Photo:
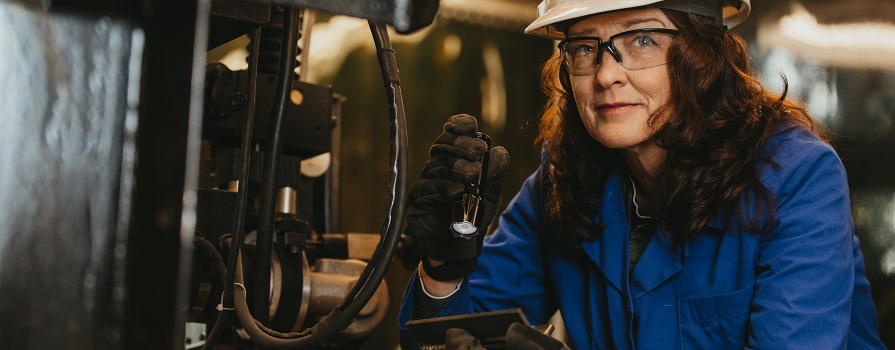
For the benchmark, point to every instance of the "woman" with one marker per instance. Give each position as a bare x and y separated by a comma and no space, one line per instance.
679,204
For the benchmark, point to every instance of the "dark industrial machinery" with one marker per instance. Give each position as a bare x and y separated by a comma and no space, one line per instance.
144,189
263,248
135,198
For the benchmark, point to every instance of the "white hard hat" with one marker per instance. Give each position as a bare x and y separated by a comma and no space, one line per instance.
551,12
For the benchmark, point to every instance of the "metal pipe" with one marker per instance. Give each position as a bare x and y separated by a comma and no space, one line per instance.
287,199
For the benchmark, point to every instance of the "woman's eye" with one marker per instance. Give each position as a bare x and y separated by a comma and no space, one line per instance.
644,40
580,50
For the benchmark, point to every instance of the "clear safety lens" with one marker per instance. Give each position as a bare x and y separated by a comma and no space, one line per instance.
635,49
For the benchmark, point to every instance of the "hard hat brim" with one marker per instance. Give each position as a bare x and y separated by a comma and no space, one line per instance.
546,24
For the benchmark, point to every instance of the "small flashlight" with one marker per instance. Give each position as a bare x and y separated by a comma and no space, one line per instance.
465,223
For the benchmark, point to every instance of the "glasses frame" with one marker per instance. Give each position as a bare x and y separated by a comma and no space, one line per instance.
607,45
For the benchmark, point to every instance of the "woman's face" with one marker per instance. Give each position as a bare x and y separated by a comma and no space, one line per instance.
615,103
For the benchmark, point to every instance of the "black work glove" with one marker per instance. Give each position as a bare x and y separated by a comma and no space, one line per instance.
518,337
522,337
456,159
460,339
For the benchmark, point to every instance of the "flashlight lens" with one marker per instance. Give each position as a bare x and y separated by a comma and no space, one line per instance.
463,229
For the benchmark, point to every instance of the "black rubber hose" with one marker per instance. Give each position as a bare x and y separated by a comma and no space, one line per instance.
374,272
272,150
243,161
212,255
391,231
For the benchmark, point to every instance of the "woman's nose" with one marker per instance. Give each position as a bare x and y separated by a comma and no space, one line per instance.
609,70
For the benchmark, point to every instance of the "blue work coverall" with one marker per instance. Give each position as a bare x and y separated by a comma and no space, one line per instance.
800,287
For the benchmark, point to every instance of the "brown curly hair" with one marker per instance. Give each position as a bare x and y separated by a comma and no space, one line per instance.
716,124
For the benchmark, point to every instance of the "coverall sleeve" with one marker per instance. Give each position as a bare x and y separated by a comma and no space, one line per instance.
806,267
512,269
510,272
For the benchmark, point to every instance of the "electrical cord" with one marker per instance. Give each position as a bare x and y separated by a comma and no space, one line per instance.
212,255
392,224
272,150
374,272
389,68
241,193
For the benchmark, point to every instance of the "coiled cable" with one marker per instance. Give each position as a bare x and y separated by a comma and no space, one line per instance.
374,272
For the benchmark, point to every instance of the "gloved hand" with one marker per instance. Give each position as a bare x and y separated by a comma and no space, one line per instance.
456,159
460,339
518,337
522,337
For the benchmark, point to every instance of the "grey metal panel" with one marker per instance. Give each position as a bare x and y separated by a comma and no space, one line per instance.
101,114
64,103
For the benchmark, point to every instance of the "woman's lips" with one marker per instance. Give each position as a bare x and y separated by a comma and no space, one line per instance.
614,108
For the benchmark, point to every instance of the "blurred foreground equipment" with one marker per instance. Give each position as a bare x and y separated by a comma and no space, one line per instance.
113,229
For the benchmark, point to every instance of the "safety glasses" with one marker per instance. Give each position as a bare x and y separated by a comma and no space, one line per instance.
633,49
